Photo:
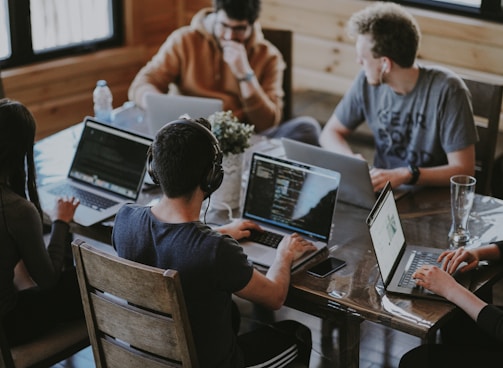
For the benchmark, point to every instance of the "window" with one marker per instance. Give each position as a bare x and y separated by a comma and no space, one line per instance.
483,9
36,30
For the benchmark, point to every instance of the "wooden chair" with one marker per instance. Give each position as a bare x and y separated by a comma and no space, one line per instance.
283,40
56,345
486,103
136,314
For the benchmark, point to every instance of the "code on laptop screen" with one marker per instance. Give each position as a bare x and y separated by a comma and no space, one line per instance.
292,195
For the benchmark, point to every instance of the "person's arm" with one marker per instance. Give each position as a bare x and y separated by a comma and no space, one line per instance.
158,73
238,229
451,259
262,102
271,289
42,264
443,284
460,162
333,137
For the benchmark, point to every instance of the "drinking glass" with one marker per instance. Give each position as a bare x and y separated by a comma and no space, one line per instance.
462,194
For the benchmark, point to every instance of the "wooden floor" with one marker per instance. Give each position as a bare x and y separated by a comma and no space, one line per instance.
380,347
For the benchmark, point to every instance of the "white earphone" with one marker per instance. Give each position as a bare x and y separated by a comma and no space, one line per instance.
384,66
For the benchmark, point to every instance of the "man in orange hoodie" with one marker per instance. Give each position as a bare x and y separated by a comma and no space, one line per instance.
223,54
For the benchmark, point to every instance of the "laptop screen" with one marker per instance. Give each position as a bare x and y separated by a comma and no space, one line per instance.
110,159
386,232
291,195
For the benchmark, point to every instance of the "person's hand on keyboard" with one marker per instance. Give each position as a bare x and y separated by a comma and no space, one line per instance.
294,246
65,209
239,228
452,259
437,280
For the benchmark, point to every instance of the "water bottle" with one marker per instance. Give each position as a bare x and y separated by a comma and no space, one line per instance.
102,98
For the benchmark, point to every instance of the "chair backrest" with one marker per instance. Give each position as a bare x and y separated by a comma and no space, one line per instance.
283,40
486,103
136,314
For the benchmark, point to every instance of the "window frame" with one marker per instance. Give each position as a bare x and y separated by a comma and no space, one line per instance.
21,41
489,9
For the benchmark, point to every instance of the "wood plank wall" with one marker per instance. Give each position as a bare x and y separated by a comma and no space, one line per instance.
324,57
59,92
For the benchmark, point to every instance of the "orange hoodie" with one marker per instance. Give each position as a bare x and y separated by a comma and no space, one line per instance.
191,59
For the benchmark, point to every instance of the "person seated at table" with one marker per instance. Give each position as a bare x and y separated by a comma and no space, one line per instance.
38,287
223,54
465,344
185,160
420,116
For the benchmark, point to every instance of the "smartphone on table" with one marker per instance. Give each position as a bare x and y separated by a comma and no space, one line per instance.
326,267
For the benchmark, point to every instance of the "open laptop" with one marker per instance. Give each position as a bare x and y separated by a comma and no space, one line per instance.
283,197
163,108
396,259
107,170
356,187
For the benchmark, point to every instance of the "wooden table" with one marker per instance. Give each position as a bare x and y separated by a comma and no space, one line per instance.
354,293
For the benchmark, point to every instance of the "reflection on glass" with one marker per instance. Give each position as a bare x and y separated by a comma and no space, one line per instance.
474,3
62,23
5,49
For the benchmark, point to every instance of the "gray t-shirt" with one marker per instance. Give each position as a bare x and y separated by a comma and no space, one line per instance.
419,128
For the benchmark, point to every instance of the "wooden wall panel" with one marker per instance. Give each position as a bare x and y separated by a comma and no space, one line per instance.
59,92
324,57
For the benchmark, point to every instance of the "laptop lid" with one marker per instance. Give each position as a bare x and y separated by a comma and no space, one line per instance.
288,196
356,186
163,108
386,233
108,161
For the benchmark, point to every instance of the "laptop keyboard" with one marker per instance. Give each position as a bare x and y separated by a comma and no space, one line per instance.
267,238
86,198
418,259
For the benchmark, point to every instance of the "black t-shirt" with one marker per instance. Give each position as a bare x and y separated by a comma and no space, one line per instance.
211,266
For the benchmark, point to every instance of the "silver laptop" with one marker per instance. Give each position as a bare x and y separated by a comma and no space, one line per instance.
286,196
107,171
356,186
396,259
163,108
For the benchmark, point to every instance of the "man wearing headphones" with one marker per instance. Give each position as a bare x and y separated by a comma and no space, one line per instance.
420,116
185,160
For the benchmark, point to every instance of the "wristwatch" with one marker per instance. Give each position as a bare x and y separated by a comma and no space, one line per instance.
247,77
414,170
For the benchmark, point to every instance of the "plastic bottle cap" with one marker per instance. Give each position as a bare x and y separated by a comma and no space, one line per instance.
101,83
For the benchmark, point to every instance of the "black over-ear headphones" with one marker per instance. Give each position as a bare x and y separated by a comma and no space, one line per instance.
215,175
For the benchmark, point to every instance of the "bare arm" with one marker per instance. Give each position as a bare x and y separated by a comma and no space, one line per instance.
451,259
442,283
459,162
261,102
333,137
271,289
